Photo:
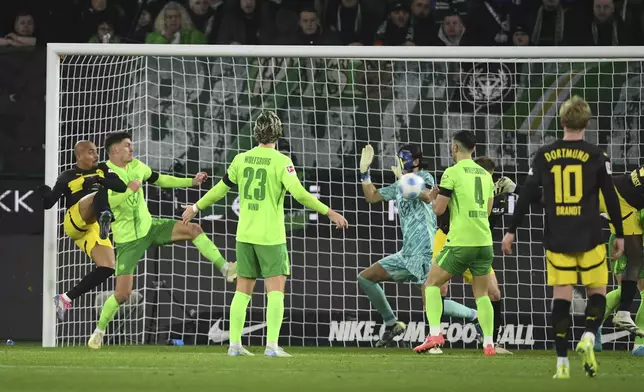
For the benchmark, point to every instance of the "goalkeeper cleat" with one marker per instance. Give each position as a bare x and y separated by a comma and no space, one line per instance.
598,340
435,351
638,350
563,372
501,350
430,342
489,350
96,340
276,352
104,222
586,349
229,271
390,333
623,320
62,306
239,351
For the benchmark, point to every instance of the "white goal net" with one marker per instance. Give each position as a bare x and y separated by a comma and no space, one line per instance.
191,109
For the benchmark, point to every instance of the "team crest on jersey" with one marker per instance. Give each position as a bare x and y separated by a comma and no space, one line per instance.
290,169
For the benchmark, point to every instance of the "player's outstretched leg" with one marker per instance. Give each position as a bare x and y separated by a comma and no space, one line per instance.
495,297
102,212
560,319
612,300
103,256
595,309
630,276
638,348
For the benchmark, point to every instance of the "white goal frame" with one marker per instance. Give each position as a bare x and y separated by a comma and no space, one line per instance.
55,51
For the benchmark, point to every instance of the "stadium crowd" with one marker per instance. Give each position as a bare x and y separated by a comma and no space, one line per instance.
325,22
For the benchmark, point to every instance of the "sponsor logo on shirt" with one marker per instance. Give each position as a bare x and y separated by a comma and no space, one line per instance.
290,169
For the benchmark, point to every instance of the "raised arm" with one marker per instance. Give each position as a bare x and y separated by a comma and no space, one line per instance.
167,181
51,196
610,196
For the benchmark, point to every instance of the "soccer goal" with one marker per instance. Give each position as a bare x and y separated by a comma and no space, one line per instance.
191,108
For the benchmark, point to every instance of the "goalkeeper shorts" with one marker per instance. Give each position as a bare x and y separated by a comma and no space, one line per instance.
630,215
407,268
619,266
85,236
564,268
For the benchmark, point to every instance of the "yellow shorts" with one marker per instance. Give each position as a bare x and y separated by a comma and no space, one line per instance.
439,243
564,268
630,215
85,236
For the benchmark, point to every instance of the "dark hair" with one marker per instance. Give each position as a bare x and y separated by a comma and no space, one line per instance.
486,163
307,8
115,138
466,139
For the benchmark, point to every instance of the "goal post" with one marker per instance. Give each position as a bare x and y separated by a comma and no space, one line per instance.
191,107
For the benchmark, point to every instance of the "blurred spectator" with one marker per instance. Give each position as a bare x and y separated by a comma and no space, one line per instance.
173,26
248,22
442,8
310,32
204,16
605,29
452,30
143,27
548,27
488,23
104,34
632,13
98,12
520,37
23,32
350,20
425,27
397,29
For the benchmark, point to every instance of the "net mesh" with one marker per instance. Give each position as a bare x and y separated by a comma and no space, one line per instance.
189,114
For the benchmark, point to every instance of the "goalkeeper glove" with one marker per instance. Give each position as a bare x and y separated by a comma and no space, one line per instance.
365,162
397,168
504,185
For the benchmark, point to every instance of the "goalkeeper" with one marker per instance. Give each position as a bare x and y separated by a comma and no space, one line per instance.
418,224
502,188
135,230
88,216
262,175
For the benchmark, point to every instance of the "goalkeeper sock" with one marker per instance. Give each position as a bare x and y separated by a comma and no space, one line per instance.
560,324
274,316
209,250
238,316
433,309
486,317
639,318
454,309
110,307
498,319
612,300
376,296
90,281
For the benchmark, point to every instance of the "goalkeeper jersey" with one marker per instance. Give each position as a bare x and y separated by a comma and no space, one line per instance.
263,176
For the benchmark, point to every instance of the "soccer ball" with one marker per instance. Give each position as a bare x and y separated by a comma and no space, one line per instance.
411,185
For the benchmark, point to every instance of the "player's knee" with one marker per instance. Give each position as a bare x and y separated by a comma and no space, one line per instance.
494,293
444,290
195,230
122,295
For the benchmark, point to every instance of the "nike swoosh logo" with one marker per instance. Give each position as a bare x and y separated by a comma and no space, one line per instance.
611,337
217,335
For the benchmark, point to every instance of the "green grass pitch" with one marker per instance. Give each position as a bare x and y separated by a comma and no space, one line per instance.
163,368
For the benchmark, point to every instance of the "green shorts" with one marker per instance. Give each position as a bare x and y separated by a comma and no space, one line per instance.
457,259
618,266
406,268
262,261
128,254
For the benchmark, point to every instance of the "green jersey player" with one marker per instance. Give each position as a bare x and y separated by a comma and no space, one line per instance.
135,230
263,175
418,225
468,189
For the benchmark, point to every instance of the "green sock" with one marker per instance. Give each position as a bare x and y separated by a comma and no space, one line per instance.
486,315
433,309
612,301
209,250
639,318
110,307
238,315
274,315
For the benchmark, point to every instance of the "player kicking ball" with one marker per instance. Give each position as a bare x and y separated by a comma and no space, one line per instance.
135,230
572,172
418,224
88,217
468,190
263,175
502,188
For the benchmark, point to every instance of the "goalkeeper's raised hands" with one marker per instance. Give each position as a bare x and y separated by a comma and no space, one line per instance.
504,185
366,158
397,168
